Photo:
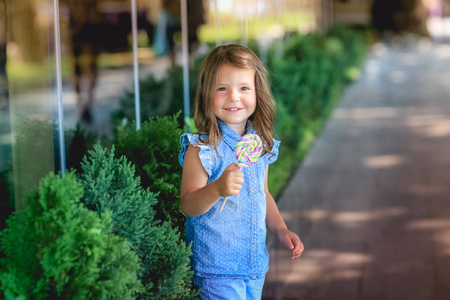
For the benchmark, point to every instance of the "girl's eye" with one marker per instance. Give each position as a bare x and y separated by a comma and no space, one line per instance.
245,88
221,89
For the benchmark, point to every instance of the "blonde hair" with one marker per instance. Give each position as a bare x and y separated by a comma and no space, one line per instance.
263,119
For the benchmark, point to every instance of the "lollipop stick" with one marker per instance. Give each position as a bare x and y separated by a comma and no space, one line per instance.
223,204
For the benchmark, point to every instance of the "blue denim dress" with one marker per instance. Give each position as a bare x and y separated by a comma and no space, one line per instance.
230,243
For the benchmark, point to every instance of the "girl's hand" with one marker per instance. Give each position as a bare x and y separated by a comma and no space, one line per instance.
230,182
291,241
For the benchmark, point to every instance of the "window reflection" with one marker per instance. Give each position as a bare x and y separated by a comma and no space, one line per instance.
98,54
26,95
97,69
86,30
6,203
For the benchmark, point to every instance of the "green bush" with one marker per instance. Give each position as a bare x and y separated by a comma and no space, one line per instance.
307,83
355,41
58,249
110,185
154,150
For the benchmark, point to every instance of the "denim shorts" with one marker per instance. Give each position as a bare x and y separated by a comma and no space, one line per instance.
229,288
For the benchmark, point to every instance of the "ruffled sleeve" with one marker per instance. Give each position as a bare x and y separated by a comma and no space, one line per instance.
205,154
272,157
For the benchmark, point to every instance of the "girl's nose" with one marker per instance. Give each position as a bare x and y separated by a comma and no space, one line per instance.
234,95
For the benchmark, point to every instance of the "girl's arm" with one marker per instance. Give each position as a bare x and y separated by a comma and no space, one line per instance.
277,226
196,196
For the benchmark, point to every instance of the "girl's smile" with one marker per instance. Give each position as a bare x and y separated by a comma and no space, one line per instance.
233,109
235,96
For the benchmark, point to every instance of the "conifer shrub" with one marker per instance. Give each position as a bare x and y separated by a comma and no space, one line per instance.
110,184
58,249
154,150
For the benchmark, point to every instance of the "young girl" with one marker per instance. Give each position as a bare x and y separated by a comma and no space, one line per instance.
230,258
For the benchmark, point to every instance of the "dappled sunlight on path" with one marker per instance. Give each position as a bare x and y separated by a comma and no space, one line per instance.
370,201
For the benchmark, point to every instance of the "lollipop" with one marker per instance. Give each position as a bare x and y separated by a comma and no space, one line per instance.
247,151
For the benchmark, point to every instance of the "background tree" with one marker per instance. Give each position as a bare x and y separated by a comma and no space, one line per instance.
24,31
400,16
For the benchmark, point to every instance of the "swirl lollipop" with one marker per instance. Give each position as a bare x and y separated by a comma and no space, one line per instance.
247,151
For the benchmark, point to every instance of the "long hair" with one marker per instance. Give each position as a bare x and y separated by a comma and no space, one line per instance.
263,119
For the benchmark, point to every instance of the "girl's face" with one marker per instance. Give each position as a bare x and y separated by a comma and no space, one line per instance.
234,96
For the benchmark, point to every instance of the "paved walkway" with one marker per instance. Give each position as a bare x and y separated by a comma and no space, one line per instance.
371,201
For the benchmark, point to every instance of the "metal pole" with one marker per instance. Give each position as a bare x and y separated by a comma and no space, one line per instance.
62,150
218,24
137,96
185,52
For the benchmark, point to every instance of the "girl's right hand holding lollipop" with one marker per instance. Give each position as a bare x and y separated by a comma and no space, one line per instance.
230,183
248,149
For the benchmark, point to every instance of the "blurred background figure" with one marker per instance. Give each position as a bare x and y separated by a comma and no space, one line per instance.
97,26
85,22
169,25
445,20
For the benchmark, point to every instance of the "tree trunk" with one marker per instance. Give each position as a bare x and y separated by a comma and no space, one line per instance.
23,30
400,16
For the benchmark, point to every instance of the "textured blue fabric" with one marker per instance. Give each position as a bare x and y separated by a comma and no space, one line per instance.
229,288
230,243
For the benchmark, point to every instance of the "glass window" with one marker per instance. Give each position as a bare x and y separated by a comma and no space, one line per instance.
98,70
30,96
6,199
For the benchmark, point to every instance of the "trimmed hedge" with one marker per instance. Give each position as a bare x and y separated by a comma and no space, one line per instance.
307,83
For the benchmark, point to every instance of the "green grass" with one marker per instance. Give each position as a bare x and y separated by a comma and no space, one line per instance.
34,75
26,75
231,29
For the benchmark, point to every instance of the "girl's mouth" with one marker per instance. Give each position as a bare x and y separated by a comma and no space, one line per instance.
232,109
